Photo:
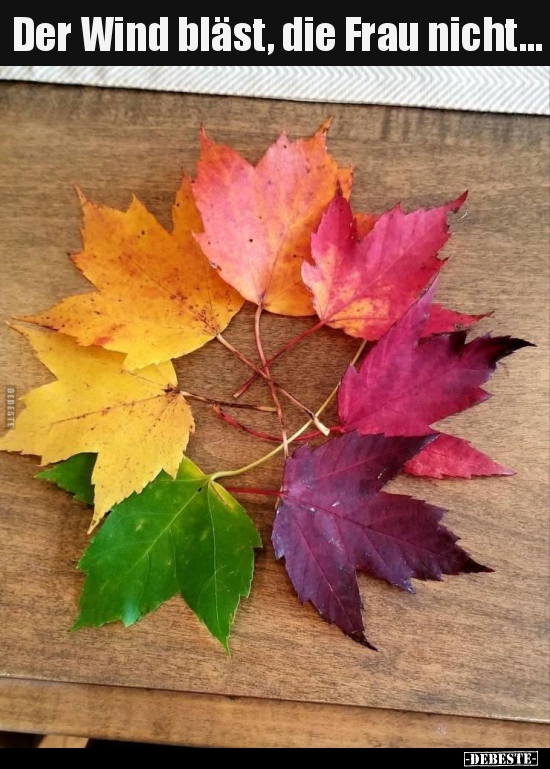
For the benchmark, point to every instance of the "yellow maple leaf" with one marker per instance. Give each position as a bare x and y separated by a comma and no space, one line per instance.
138,423
158,297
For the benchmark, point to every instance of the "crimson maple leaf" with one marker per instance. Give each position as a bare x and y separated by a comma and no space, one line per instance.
406,384
333,520
367,272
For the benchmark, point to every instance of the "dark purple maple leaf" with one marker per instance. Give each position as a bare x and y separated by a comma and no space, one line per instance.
407,383
333,520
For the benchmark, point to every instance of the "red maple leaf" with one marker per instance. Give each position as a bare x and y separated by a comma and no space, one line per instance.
334,520
367,272
406,384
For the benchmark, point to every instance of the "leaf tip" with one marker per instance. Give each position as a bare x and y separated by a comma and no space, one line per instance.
473,567
205,140
457,204
81,196
21,329
359,637
79,624
225,644
519,344
500,347
325,126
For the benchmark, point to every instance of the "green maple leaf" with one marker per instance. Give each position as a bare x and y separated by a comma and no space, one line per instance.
186,536
75,476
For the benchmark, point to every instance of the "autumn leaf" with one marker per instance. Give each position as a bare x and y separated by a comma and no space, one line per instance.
157,299
282,235
184,536
258,220
74,476
406,384
137,422
444,321
334,520
211,562
452,457
367,272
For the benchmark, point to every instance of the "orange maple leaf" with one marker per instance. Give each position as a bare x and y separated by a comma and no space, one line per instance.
258,220
157,299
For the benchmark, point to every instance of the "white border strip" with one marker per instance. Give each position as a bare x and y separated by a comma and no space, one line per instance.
524,90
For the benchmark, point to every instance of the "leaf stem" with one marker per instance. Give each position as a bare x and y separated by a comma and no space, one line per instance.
262,373
249,430
276,451
270,382
228,404
288,346
264,436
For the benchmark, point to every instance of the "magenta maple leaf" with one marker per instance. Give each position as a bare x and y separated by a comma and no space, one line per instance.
406,384
363,283
333,520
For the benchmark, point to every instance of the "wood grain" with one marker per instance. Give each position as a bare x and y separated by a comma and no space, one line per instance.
474,645
177,718
55,742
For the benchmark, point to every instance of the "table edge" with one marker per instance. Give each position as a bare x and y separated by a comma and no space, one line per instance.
209,720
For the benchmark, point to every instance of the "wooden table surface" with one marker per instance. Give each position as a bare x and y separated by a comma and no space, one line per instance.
468,649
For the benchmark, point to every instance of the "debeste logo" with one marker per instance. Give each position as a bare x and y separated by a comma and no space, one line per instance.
501,758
